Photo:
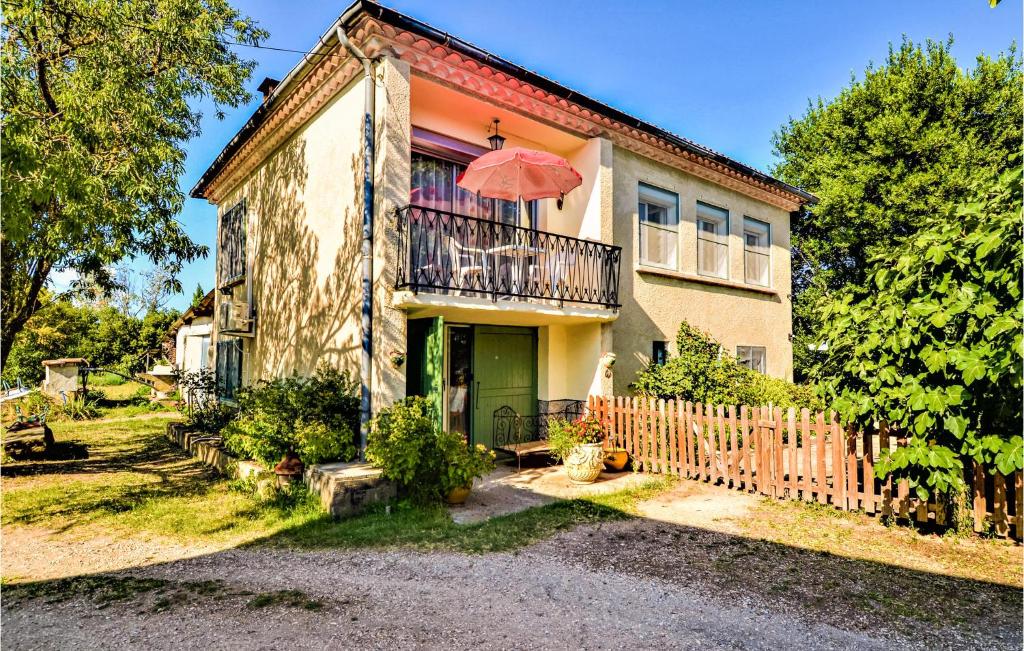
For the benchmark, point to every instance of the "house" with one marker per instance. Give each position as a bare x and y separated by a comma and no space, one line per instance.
187,343
474,302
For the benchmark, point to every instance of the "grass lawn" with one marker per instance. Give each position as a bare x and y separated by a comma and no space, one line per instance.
119,475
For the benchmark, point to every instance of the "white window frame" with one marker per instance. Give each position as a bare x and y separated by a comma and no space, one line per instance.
746,275
642,224
722,220
748,358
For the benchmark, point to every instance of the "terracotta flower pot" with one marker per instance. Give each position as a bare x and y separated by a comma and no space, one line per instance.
584,463
616,459
289,469
458,495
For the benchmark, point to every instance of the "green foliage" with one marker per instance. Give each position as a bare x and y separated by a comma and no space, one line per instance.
564,435
701,371
315,417
403,442
198,404
425,461
96,113
106,336
933,344
891,150
34,403
106,380
76,407
198,295
462,463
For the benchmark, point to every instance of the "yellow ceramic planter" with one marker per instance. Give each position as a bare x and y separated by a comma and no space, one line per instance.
616,459
458,495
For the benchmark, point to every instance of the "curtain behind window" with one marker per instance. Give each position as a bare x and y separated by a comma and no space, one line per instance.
433,186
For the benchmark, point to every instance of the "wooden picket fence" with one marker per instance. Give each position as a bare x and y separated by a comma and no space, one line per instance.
794,454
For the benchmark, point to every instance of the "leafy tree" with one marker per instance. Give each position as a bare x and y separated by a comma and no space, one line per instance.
96,107
701,371
103,335
893,149
198,295
60,330
933,343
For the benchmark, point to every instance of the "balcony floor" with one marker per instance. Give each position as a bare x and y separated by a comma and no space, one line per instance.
504,311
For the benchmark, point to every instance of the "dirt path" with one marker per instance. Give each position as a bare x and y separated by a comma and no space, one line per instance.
689,574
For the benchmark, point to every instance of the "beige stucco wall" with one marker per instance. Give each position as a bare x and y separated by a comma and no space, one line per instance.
304,219
61,378
653,305
304,237
568,361
393,177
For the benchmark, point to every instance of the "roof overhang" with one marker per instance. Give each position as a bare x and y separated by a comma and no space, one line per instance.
438,55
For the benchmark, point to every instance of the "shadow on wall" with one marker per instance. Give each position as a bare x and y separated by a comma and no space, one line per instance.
307,307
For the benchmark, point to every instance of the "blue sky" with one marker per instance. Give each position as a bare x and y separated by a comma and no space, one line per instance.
725,74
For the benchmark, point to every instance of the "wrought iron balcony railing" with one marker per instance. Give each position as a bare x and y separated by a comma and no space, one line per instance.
441,252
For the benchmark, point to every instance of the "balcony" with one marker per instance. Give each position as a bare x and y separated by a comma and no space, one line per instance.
455,255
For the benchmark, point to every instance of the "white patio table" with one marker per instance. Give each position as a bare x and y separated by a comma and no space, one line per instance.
522,252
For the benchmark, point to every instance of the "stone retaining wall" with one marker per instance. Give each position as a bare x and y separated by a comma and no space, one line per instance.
344,489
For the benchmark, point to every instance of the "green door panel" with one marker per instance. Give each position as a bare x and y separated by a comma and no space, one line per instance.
504,373
433,368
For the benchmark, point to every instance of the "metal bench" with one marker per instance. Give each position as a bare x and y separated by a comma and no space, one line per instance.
524,435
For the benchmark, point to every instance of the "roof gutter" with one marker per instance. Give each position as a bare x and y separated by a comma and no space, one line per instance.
369,120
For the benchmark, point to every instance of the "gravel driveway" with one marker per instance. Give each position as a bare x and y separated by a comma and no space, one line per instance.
684,576
414,600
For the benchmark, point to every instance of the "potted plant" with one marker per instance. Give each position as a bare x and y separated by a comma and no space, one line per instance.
616,458
289,469
462,464
579,445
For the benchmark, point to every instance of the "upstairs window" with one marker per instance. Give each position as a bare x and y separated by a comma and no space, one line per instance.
231,245
753,357
434,187
712,241
757,238
659,227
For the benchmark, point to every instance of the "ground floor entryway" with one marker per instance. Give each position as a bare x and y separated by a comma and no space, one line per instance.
468,371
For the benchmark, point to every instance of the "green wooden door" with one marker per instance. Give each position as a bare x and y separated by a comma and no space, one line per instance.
433,368
504,373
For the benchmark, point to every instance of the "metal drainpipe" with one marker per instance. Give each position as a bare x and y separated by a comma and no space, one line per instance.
366,361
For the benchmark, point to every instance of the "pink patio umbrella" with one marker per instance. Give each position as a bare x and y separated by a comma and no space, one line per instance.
518,173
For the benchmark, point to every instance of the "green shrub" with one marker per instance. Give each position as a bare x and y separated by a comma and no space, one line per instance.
462,463
315,417
403,442
197,402
76,407
701,371
426,462
564,435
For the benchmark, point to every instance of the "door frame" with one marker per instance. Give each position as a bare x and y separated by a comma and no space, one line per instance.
446,385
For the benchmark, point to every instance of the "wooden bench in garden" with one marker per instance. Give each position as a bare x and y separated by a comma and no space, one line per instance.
525,435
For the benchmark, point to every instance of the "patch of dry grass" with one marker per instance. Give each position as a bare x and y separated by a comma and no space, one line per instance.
857,536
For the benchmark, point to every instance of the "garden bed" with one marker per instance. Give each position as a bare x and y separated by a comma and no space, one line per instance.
344,489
